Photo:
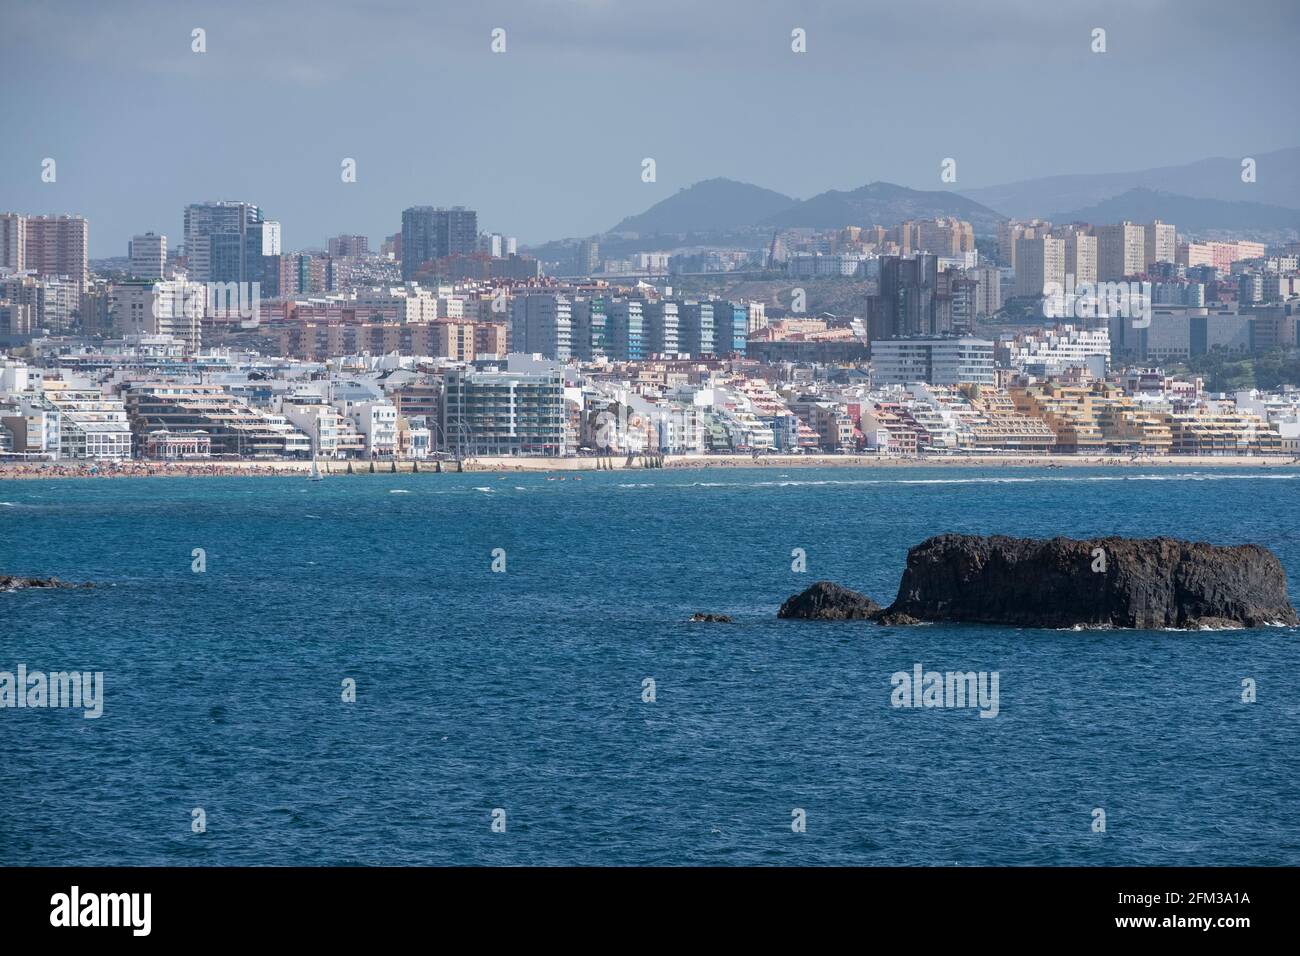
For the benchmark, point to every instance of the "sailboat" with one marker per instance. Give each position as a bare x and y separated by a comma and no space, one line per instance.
315,447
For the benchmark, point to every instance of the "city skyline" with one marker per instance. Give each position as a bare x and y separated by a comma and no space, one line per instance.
798,123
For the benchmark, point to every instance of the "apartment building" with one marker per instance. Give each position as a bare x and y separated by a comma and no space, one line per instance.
504,413
1121,250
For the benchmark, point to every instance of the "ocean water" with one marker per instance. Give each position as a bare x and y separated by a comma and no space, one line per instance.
522,690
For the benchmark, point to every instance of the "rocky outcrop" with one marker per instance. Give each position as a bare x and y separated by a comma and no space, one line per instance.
827,601
711,618
11,583
1116,582
1062,582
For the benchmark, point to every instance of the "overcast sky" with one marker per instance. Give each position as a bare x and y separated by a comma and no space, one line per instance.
546,140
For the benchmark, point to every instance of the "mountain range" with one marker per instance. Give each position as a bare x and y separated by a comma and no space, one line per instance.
1206,195
1277,183
724,205
1186,212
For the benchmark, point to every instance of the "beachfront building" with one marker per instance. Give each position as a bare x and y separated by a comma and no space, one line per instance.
1223,430
32,427
1097,417
1067,410
233,428
377,424
887,433
91,424
329,432
190,445
999,426
504,413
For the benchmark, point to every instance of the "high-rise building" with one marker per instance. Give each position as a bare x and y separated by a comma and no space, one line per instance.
148,255
662,328
1012,230
588,340
587,257
908,302
503,413
1080,253
13,241
988,295
1160,243
154,307
1039,263
53,300
56,246
542,324
225,240
1121,250
697,335
349,246
625,329
435,233
730,327
962,292
943,236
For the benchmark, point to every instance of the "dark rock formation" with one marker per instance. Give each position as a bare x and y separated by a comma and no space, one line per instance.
711,618
1105,582
11,583
1119,582
827,601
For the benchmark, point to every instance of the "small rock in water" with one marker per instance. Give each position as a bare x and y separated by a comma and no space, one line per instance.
827,601
712,618
9,582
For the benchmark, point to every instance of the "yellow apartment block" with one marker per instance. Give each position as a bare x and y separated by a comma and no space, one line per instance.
1068,411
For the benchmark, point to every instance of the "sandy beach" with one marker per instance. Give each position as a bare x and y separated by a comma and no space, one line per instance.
10,471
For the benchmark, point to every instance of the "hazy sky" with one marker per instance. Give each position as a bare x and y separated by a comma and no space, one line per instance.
546,139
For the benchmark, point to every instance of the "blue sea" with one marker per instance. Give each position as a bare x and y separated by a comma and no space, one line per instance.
522,691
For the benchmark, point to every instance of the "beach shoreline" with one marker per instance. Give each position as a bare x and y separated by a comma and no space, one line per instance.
149,469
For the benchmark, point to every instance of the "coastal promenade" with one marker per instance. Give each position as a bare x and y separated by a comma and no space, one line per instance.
203,469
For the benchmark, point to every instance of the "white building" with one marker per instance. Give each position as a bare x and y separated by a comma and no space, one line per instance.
148,255
377,423
168,307
937,361
91,425
1048,351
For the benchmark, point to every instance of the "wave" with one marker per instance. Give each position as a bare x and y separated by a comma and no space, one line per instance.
1066,479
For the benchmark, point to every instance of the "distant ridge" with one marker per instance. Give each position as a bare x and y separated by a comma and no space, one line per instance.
1205,195
713,205
1187,213
1277,183
884,204
724,205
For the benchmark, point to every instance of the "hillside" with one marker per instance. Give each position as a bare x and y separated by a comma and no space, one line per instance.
1187,213
884,204
1277,183
714,205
